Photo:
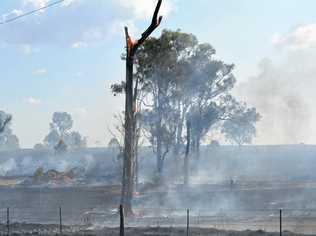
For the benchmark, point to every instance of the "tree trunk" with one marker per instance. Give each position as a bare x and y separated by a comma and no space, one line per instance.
193,145
136,169
159,154
159,151
128,180
178,140
129,139
186,158
198,143
159,167
159,159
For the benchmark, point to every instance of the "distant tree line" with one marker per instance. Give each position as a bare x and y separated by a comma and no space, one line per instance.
60,137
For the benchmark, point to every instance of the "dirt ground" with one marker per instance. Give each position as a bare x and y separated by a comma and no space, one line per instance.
212,206
49,230
193,232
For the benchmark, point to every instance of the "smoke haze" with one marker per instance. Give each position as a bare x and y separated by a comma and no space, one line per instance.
283,92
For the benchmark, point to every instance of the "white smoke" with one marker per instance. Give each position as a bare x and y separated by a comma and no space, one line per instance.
284,95
8,166
25,164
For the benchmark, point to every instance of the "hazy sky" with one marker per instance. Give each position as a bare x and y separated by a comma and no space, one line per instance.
65,58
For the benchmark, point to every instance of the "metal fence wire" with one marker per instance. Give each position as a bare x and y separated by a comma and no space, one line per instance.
57,221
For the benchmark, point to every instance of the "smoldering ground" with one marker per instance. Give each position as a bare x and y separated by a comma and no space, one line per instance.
264,177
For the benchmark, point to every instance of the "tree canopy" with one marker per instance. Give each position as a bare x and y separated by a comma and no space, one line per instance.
239,127
8,141
60,130
180,80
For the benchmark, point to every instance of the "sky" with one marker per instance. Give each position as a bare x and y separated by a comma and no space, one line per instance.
66,57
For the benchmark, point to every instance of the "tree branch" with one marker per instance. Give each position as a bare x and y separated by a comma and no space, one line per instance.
155,22
129,42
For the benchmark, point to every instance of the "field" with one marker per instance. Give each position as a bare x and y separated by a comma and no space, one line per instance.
234,190
49,230
245,206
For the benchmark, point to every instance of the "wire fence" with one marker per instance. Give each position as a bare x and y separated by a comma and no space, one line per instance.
271,220
57,221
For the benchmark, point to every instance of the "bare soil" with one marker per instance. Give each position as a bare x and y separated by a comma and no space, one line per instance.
50,230
218,203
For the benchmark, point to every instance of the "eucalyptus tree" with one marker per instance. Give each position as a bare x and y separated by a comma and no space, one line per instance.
60,130
8,141
4,120
183,81
239,127
160,72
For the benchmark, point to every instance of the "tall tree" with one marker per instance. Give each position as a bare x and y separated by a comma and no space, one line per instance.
202,119
183,81
62,122
8,141
60,130
160,125
186,158
130,108
208,81
75,141
239,127
160,72
4,120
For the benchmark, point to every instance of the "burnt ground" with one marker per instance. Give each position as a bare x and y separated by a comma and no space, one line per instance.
49,230
251,206
193,231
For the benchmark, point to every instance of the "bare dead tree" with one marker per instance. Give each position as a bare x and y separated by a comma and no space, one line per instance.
130,108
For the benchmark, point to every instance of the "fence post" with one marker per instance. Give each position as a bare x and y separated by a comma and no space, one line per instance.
280,222
60,222
8,221
188,222
121,220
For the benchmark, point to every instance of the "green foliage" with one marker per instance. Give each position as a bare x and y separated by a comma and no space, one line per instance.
202,119
183,81
240,125
61,122
39,172
60,130
180,79
8,141
118,88
4,120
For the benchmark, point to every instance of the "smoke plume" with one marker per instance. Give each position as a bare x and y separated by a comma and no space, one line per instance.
284,94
